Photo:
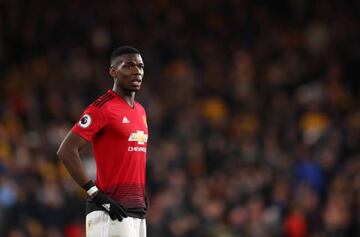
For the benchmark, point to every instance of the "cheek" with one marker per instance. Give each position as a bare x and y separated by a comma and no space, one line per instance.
123,74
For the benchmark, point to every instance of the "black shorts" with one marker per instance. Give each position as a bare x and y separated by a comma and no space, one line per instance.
132,212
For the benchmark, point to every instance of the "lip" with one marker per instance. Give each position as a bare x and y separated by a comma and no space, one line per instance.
136,79
136,83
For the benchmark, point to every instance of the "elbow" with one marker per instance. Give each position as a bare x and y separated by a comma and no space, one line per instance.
66,153
60,153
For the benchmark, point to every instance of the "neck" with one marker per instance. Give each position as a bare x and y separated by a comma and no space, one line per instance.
128,96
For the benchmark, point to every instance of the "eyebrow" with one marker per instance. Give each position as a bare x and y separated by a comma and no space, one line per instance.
133,63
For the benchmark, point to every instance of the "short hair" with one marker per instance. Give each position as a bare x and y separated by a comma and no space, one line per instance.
121,51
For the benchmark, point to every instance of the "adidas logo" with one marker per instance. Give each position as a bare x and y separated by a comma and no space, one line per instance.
125,120
106,206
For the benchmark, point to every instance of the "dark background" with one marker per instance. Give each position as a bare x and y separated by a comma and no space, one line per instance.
253,110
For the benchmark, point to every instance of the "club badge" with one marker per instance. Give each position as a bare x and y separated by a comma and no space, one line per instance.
85,121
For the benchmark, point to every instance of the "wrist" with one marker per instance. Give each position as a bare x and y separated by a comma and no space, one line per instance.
92,191
90,188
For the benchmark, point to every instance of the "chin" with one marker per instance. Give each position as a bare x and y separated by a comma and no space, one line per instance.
134,89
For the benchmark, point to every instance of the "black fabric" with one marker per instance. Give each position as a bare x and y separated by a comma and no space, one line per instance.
132,212
115,210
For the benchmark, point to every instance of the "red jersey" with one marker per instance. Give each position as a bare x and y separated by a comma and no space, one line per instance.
119,134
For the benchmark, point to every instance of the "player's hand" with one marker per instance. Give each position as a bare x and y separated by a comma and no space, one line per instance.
115,210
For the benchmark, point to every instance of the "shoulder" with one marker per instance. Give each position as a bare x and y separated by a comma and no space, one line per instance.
98,108
102,100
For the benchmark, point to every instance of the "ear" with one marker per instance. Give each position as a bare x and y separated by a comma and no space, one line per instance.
112,71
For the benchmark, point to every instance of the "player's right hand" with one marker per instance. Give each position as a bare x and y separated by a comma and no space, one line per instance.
115,210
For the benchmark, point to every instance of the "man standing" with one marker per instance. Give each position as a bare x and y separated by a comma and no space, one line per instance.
116,126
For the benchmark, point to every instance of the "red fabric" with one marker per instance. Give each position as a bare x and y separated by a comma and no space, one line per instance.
295,226
74,230
118,134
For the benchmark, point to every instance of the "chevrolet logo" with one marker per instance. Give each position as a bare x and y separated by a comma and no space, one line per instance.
140,137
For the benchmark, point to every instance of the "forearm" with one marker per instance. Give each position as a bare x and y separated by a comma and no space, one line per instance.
72,162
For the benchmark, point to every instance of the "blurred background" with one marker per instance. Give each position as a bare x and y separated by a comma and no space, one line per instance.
253,109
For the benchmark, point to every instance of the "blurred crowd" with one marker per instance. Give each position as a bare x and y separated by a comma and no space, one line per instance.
253,109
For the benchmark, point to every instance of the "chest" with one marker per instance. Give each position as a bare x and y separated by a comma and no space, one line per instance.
124,122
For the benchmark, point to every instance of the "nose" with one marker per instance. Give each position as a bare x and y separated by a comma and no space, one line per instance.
138,70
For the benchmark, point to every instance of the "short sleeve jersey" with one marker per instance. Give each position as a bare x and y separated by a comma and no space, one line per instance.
119,134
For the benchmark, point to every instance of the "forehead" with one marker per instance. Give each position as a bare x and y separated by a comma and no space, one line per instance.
133,58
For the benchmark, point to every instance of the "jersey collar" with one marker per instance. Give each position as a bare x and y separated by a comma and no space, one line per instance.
121,99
